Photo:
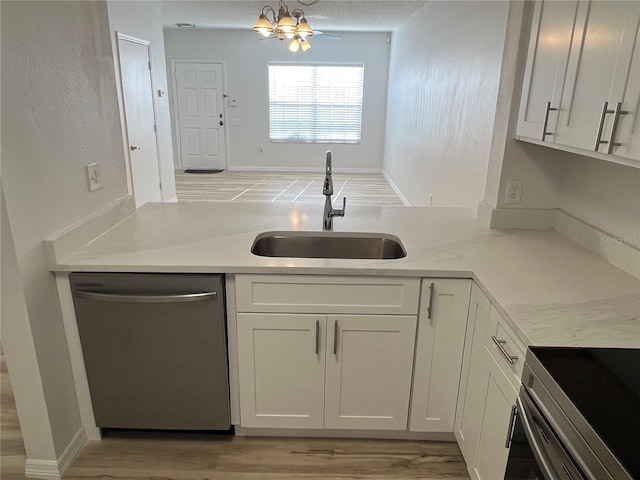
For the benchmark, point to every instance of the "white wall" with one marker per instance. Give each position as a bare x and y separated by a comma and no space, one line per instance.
443,85
246,59
143,19
59,113
605,195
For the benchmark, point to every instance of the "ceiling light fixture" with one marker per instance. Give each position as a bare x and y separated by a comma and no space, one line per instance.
290,25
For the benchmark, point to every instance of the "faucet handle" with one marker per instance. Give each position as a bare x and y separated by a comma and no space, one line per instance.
340,213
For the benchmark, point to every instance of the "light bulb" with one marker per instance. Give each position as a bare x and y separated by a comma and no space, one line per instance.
289,35
264,32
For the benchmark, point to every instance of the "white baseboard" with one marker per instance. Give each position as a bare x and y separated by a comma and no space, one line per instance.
396,189
173,200
319,169
52,469
337,433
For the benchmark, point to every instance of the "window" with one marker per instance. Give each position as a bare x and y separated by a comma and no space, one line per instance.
315,103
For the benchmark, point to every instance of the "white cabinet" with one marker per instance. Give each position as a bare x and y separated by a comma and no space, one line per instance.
597,72
442,322
546,67
490,385
282,364
581,86
368,377
471,397
305,363
495,429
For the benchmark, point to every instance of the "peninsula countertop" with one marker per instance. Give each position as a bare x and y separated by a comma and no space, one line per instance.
551,290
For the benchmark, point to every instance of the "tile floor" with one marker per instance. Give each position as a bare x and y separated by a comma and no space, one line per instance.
284,187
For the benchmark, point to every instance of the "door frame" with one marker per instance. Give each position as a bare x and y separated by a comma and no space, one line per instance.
125,133
176,119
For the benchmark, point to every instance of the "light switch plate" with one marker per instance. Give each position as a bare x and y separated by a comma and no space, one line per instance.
94,174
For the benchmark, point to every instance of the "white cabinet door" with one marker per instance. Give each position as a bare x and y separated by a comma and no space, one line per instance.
597,72
473,384
626,138
281,362
546,67
491,459
369,364
442,322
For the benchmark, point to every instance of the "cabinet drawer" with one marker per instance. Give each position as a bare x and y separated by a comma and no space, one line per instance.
327,294
505,346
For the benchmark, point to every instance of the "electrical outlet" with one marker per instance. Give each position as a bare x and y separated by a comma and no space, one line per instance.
94,175
514,191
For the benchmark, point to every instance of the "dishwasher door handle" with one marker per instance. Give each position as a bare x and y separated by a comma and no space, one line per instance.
125,298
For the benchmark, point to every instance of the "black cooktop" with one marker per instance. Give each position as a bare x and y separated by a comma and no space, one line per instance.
604,385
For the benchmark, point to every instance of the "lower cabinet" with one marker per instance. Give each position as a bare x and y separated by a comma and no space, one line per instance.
493,441
488,390
325,371
282,365
442,321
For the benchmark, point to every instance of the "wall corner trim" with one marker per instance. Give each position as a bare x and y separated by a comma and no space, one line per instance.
52,469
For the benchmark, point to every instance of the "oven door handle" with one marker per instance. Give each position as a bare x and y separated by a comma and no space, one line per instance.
538,451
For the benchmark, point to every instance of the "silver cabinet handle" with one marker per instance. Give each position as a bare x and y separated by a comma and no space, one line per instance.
133,148
432,288
124,298
616,116
605,111
317,337
512,425
546,121
335,338
500,344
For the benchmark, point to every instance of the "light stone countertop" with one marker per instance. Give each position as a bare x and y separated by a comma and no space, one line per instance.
551,290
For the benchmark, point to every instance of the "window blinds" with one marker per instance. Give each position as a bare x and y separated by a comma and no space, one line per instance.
315,103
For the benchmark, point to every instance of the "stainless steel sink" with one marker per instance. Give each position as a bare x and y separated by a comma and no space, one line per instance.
378,246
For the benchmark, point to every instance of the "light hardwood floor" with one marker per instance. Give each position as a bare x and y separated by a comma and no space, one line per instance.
11,444
283,187
177,456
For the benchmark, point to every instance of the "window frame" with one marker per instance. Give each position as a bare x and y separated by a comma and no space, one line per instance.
315,64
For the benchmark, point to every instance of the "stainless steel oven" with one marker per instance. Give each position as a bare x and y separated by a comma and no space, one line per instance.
577,416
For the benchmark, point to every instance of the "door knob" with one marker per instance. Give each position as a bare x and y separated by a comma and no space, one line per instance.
134,148
220,115
221,123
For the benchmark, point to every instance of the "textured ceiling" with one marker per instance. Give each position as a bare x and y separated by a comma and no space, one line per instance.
327,15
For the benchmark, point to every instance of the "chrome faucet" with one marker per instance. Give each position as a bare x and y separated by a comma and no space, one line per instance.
327,191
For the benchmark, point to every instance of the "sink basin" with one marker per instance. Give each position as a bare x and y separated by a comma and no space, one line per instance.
378,246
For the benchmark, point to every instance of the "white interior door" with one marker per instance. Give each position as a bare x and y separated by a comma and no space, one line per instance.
139,111
199,105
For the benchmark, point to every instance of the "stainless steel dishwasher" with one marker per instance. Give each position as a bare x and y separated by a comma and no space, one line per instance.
155,349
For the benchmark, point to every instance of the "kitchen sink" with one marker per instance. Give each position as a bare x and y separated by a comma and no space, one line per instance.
373,246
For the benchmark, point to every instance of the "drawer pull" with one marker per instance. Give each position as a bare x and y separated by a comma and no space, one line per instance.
512,359
317,337
335,338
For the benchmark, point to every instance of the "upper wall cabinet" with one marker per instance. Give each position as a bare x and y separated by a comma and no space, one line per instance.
581,87
551,31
